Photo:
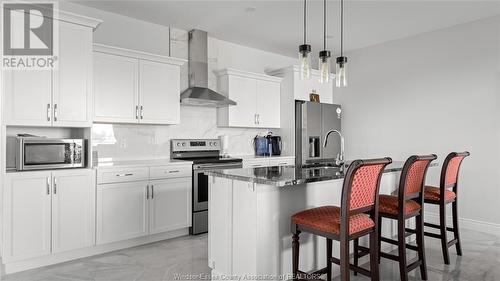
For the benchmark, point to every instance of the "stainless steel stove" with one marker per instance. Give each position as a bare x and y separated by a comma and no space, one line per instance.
206,155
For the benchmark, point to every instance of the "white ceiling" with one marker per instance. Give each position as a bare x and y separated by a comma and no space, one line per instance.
276,26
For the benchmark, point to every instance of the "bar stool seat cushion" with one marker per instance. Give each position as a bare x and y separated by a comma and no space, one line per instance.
433,193
388,204
327,219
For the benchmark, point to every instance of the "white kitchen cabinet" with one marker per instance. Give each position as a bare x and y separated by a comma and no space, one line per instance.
300,89
116,92
60,97
135,87
159,88
257,97
73,210
170,204
26,215
47,212
122,211
72,94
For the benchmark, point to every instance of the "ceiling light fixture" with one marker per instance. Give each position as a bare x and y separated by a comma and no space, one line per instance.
340,69
304,51
324,55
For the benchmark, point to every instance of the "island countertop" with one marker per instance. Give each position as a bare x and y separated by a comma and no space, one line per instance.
292,175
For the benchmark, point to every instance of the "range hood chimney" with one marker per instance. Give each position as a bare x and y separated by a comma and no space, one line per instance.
198,92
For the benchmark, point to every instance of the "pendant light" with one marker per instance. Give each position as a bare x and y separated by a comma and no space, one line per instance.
341,62
324,55
305,51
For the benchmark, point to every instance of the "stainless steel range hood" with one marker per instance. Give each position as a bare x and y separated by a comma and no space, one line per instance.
198,92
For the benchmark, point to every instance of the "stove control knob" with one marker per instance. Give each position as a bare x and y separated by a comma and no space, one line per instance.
183,144
178,144
210,143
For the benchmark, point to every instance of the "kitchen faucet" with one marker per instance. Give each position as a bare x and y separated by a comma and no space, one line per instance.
339,161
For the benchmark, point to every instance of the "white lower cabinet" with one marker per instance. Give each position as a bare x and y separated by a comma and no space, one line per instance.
170,204
133,208
47,212
122,211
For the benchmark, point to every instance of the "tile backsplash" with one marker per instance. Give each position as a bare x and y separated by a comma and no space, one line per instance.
119,142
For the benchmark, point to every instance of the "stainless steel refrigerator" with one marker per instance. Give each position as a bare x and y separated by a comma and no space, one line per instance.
312,122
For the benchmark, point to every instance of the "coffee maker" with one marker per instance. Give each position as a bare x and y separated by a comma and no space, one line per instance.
268,145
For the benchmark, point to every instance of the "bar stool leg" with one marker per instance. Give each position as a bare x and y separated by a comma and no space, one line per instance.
444,237
344,260
402,250
356,254
374,252
295,255
455,228
421,246
379,237
328,257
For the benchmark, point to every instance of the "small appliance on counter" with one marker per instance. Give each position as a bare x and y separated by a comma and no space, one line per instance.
267,145
40,153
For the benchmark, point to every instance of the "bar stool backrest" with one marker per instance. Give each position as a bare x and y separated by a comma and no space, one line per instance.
451,168
412,180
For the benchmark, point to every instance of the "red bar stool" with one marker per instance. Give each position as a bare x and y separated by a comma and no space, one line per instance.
356,217
442,196
410,199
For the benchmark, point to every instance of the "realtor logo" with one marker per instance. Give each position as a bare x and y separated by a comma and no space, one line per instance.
28,36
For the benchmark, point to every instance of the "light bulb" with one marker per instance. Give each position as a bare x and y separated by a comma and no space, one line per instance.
305,61
341,72
324,66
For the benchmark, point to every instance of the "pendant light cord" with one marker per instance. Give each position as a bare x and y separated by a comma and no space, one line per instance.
324,24
305,20
341,28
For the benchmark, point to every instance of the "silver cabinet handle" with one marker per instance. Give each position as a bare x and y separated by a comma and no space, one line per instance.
258,118
142,112
55,185
124,175
55,112
147,192
152,192
173,171
255,118
48,112
136,112
48,185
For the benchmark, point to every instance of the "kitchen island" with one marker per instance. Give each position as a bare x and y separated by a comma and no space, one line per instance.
249,219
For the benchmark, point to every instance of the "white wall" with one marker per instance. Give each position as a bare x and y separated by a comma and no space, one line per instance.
433,93
127,141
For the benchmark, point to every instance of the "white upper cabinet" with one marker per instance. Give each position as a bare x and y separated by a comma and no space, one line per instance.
60,97
301,89
159,88
257,97
115,88
135,87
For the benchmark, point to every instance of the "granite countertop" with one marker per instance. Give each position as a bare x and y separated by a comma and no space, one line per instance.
292,175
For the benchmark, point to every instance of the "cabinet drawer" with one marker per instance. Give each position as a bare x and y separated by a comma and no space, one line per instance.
122,175
282,162
165,172
255,163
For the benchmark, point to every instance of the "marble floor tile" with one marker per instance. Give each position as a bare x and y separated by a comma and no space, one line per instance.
188,255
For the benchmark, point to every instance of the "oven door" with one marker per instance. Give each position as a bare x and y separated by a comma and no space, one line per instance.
200,183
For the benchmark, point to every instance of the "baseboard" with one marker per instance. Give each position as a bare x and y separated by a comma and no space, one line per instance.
481,226
17,266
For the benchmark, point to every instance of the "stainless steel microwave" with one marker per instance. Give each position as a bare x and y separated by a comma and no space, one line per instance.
36,153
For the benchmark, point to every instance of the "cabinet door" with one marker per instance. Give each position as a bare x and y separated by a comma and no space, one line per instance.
73,210
72,98
159,93
28,104
26,215
115,88
170,205
242,90
268,104
122,211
